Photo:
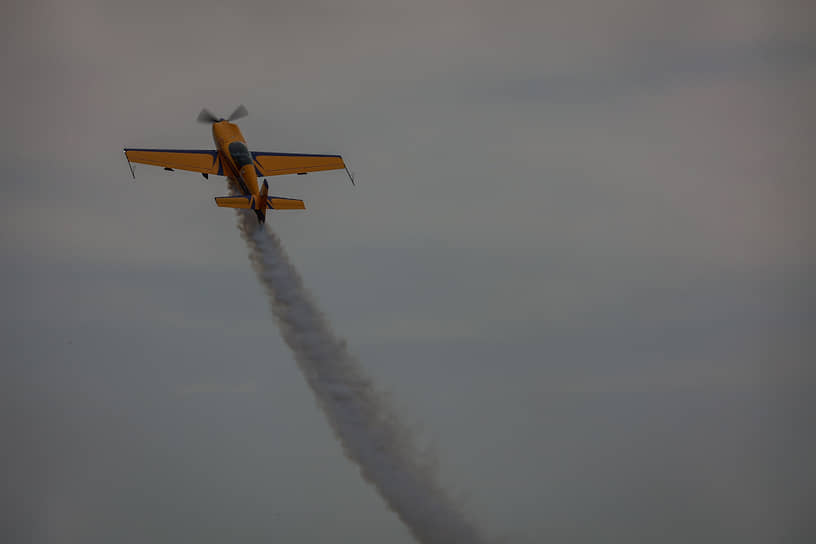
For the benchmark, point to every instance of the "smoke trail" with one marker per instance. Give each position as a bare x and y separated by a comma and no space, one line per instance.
370,434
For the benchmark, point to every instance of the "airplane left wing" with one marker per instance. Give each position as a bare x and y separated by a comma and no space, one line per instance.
194,160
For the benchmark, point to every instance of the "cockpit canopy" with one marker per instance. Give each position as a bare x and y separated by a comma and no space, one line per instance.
240,154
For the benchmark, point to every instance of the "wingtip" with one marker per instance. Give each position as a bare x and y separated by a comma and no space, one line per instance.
132,173
350,175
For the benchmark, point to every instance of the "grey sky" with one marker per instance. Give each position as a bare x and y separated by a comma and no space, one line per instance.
579,256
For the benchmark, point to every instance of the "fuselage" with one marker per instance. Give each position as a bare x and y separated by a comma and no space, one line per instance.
236,158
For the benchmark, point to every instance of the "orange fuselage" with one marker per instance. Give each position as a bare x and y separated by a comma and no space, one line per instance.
224,134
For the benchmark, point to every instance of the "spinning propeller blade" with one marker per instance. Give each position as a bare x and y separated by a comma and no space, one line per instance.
206,116
239,112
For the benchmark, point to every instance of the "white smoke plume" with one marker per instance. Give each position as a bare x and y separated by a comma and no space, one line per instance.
366,426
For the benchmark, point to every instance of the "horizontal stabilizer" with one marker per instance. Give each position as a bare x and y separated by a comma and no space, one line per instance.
241,202
278,203
247,202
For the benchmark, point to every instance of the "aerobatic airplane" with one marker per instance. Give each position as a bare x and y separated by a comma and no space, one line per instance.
233,159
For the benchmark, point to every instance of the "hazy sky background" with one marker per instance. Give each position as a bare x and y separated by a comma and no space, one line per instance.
579,256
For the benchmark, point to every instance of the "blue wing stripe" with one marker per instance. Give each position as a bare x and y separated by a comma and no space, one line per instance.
201,151
263,153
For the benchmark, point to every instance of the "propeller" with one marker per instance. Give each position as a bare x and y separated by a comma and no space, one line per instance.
239,112
206,116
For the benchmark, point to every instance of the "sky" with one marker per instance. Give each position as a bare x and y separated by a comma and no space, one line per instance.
578,258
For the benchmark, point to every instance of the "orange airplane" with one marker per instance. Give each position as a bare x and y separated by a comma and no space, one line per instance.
233,159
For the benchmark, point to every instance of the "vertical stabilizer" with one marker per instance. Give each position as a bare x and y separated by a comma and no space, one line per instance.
264,193
263,203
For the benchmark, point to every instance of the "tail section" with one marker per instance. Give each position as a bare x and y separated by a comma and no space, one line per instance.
264,191
272,202
261,204
262,200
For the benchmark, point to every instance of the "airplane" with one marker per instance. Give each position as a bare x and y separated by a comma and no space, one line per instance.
232,158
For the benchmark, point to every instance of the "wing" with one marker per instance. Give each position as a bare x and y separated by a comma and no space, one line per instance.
276,164
194,160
